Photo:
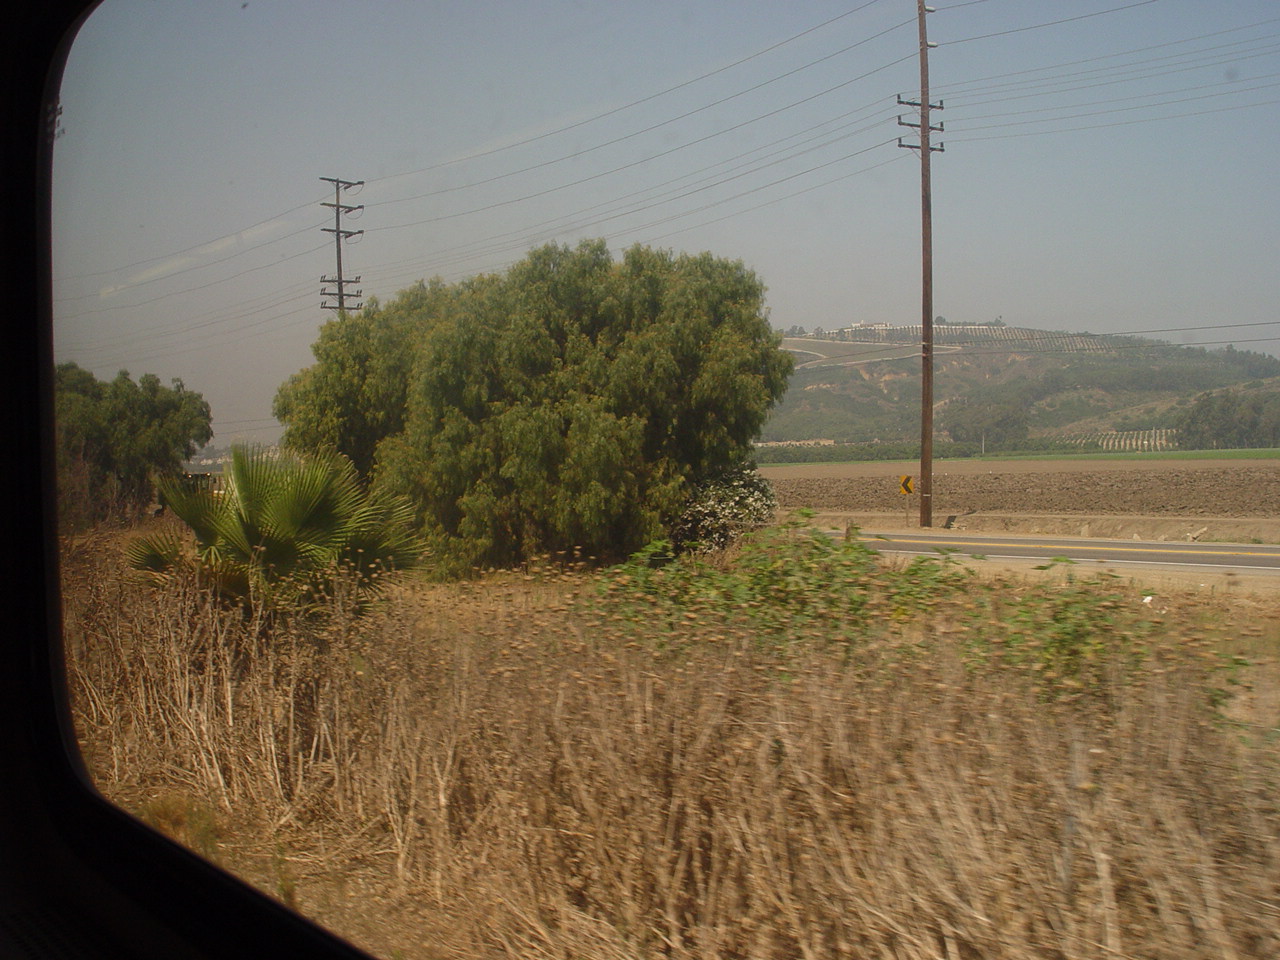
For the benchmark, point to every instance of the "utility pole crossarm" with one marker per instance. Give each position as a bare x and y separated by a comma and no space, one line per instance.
908,123
339,236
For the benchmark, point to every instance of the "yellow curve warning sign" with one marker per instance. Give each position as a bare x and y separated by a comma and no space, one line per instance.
906,485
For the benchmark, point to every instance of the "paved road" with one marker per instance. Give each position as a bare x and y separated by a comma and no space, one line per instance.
1259,558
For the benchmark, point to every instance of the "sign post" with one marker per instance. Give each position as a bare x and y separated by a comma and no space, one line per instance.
906,487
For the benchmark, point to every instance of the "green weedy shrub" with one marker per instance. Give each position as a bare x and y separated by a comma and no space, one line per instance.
778,586
789,586
1078,638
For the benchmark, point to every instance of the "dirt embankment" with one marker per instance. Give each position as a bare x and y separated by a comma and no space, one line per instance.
1149,499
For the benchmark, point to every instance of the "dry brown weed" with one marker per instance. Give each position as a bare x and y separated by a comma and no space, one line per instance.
475,770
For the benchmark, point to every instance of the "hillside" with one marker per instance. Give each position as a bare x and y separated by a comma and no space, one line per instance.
998,385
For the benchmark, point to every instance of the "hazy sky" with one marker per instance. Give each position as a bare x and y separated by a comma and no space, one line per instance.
1108,165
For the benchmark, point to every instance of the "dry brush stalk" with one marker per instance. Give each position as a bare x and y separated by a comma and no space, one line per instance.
475,749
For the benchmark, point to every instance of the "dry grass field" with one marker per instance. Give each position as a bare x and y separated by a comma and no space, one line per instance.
796,750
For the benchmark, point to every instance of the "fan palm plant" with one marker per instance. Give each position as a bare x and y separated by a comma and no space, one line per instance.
285,529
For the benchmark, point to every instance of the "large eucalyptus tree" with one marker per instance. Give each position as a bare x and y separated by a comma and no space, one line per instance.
573,401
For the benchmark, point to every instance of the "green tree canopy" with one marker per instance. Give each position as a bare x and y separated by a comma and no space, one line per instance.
115,438
354,395
1230,420
574,401
986,423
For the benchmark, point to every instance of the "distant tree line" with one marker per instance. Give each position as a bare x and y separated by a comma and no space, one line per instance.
116,438
1005,414
910,450
856,452
1229,419
1010,396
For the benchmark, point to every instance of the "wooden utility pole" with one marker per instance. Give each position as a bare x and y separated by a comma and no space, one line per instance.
926,259
339,237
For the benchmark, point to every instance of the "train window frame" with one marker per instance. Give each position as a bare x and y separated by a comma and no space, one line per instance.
78,876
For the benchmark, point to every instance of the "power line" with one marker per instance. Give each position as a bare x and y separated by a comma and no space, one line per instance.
826,183
772,183
525,231
655,238
191,249
707,206
220,338
1052,23
675,193
1097,113
678,86
737,196
773,46
627,106
1017,78
615,209
163,329
203,286
614,216
199,266
1099,126
578,153
517,199
582,180
956,6
674,217
1062,85
190,328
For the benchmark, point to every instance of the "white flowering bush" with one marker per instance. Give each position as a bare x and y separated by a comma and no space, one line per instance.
722,509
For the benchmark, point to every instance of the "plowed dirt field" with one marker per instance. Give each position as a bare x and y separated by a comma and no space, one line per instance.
1152,499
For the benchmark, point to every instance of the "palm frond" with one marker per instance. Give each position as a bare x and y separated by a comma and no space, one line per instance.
315,504
159,554
286,530
253,477
199,509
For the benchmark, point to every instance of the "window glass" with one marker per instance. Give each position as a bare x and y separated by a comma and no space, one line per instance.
431,240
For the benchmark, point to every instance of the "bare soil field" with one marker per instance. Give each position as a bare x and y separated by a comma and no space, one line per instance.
1225,500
